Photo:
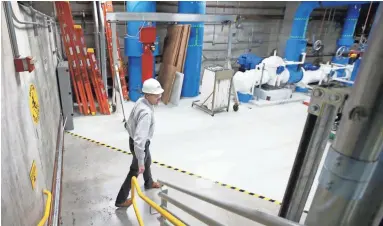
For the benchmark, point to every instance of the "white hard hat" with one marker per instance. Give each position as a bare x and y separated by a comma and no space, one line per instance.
152,86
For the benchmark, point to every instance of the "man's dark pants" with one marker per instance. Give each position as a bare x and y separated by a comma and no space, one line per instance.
125,188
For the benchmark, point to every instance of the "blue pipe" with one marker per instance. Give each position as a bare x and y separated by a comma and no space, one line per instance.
347,37
193,62
133,46
297,43
340,3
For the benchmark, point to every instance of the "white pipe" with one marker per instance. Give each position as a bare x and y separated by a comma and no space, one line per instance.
297,63
343,80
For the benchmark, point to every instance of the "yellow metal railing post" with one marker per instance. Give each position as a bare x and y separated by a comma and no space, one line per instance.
47,207
138,215
154,205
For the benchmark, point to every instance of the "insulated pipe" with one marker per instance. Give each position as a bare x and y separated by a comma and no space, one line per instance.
296,44
133,46
341,196
193,62
347,36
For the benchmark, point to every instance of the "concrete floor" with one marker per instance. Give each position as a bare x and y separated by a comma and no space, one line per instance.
93,175
252,149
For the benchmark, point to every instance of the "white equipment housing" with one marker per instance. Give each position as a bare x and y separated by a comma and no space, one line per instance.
245,82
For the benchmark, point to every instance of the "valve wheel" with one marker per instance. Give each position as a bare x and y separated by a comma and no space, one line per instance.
340,51
363,40
317,45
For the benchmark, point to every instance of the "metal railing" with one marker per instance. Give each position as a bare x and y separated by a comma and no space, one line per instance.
249,213
164,213
47,208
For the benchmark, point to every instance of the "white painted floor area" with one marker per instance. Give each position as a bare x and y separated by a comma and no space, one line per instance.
253,149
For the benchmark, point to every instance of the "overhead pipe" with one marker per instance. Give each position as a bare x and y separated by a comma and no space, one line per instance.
23,22
193,62
51,19
209,5
11,28
30,22
133,46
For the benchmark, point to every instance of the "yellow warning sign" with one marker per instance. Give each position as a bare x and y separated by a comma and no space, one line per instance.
34,106
33,174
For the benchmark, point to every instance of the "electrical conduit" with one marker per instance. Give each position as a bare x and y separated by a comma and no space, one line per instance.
193,62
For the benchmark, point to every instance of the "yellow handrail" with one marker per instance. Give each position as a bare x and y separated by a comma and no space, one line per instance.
47,207
154,205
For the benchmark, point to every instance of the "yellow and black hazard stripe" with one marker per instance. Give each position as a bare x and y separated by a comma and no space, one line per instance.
181,171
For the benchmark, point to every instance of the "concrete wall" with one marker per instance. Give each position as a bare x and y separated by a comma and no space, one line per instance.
22,141
267,26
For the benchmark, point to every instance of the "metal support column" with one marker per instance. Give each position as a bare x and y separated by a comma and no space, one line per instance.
324,106
102,47
116,82
343,189
229,42
96,33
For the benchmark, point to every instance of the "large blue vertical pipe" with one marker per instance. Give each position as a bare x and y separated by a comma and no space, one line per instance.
133,46
193,62
347,37
297,43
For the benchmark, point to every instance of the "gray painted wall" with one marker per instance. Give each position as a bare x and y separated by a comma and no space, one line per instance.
22,141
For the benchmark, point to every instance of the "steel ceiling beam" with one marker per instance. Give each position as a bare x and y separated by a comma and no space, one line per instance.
168,17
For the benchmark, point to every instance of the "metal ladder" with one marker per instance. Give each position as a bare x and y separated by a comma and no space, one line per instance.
82,67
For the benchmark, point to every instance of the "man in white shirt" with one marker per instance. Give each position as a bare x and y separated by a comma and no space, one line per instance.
140,127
